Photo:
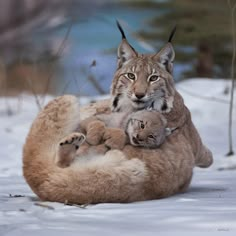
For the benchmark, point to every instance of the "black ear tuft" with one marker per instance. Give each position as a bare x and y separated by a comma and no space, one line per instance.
121,30
172,34
125,51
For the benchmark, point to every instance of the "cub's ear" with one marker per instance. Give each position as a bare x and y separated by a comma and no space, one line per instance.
168,131
125,51
166,57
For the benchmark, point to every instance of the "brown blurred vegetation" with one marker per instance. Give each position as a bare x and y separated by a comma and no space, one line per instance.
26,29
28,77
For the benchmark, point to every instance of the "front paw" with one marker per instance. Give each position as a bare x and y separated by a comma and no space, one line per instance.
95,132
115,138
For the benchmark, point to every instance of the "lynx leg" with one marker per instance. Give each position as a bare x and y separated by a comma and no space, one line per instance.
185,186
115,138
95,132
68,147
206,158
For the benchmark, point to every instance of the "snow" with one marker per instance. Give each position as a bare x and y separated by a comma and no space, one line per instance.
208,207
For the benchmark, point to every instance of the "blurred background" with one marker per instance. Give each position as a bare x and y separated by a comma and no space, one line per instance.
59,46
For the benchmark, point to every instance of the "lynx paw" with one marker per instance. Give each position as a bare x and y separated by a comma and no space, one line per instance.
68,147
72,140
95,132
115,138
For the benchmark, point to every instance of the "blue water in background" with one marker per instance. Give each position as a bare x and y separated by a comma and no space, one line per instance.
91,39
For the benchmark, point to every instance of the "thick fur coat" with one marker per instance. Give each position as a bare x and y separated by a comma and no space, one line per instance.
133,174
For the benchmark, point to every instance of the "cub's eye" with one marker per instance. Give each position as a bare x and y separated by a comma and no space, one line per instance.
131,76
151,136
142,126
154,78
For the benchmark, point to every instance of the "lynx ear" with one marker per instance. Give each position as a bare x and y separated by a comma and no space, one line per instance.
166,57
167,131
125,51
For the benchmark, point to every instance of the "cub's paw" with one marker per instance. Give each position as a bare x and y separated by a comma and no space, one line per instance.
95,132
68,147
115,138
73,140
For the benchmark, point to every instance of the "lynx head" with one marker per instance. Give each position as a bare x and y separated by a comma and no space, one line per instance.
143,80
147,129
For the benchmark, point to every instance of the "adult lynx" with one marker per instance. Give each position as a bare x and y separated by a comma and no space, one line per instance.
135,173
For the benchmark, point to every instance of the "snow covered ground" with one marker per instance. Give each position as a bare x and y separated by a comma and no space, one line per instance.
209,206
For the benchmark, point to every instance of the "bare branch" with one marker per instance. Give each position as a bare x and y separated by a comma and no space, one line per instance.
95,83
232,9
36,98
65,87
58,55
4,88
44,205
77,84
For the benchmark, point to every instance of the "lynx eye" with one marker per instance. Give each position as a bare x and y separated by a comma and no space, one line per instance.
142,126
154,78
131,76
151,136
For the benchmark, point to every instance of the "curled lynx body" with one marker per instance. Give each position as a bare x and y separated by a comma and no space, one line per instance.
135,173
115,177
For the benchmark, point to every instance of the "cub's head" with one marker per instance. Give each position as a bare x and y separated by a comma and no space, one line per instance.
143,80
147,129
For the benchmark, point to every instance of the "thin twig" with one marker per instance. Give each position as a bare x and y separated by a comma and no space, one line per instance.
19,103
9,110
89,78
93,80
31,86
44,205
211,99
96,84
232,8
16,195
65,87
77,84
36,98
82,206
58,55
81,87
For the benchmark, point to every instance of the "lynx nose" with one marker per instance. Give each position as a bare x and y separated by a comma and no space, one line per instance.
139,95
135,140
139,138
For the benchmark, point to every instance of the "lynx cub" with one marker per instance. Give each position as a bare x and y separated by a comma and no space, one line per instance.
142,128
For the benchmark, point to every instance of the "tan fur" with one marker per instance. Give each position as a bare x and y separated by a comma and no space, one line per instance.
159,95
68,147
133,174
111,178
147,129
142,128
